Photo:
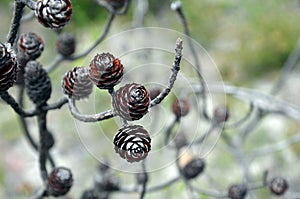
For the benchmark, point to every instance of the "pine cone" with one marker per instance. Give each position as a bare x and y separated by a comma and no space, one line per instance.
8,67
60,181
131,101
278,186
53,13
105,70
66,44
180,107
133,143
116,4
237,191
37,83
76,83
30,47
193,168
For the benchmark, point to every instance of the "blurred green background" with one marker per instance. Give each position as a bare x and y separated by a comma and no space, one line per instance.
248,39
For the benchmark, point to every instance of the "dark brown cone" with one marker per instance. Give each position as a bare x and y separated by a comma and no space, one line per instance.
193,168
237,191
105,71
53,13
60,181
66,44
133,143
30,46
131,102
8,67
76,83
278,186
37,83
180,107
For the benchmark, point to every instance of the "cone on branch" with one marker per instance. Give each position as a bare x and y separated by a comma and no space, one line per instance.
106,71
131,102
37,83
133,143
76,83
8,67
66,44
60,181
53,13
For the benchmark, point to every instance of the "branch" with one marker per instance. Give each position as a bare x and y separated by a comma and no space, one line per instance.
17,108
175,69
288,66
56,105
15,24
178,8
264,102
144,188
29,3
59,58
276,147
89,118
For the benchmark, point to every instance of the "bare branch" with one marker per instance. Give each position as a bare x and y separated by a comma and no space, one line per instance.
89,118
175,69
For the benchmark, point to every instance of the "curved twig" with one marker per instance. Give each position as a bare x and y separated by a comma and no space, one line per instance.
89,118
175,69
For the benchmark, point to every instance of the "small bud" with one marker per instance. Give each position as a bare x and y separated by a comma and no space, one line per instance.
278,186
66,44
221,114
193,168
237,191
180,107
60,181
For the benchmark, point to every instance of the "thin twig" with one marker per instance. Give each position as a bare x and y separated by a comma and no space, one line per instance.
29,3
89,118
15,24
12,102
288,66
276,147
154,188
60,58
144,187
56,105
264,102
175,69
22,120
29,16
43,150
210,193
170,129
243,119
178,8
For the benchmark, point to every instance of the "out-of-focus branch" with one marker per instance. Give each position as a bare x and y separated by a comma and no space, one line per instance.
265,102
175,69
276,147
288,66
178,8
